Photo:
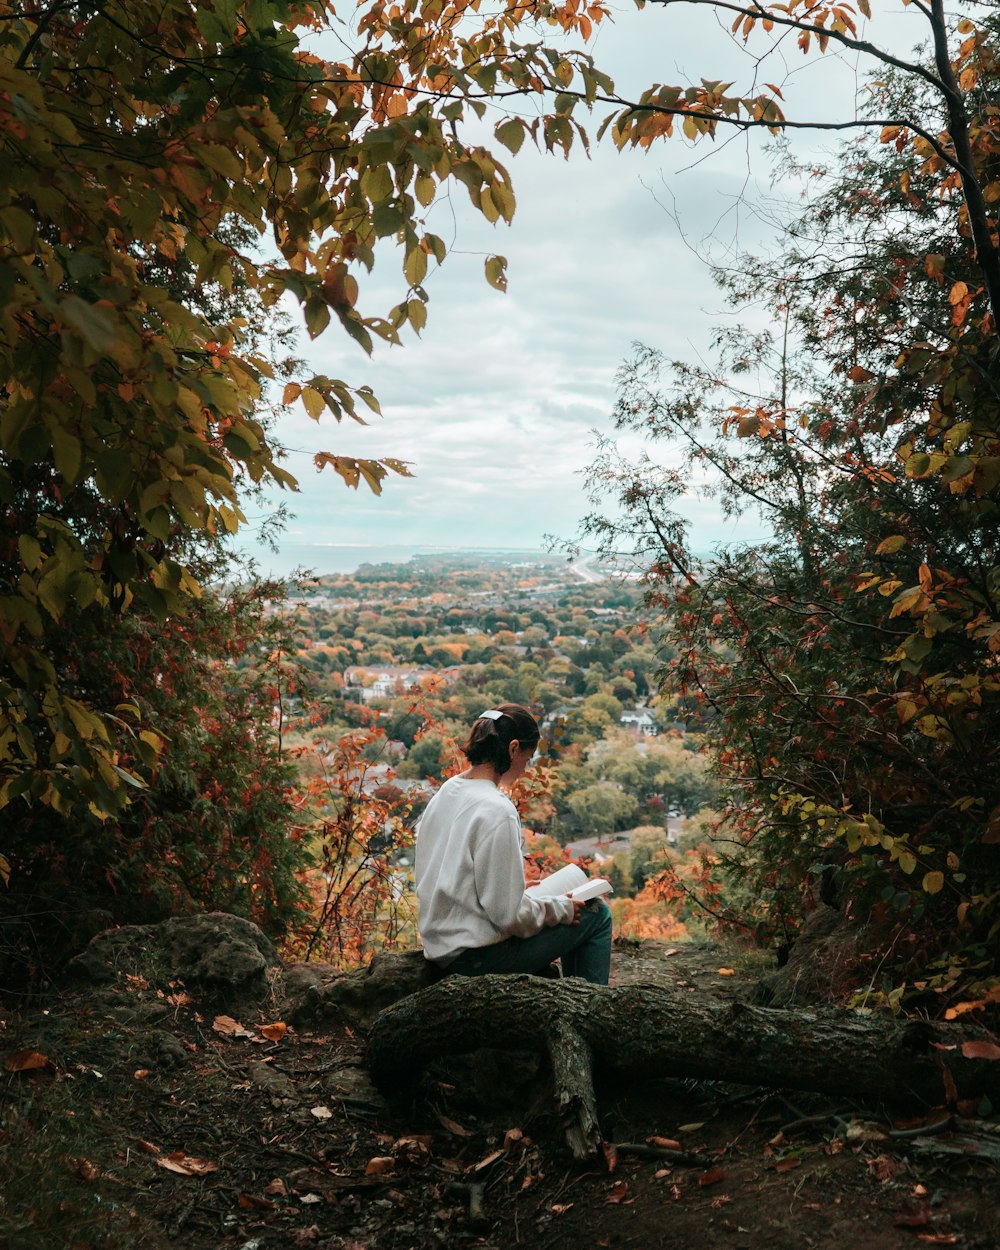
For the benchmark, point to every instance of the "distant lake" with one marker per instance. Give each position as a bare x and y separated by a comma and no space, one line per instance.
322,558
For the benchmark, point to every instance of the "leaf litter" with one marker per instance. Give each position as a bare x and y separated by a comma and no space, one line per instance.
240,1165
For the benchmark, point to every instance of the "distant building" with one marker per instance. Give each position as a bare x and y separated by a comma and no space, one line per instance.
640,721
384,682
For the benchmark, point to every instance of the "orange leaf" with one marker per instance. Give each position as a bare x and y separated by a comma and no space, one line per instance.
618,1192
248,1202
665,1143
140,1074
380,1165
273,1032
610,1152
980,1050
27,1061
186,1165
727,972
787,1165
712,1177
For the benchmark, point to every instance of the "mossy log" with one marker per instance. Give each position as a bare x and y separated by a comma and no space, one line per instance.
639,1030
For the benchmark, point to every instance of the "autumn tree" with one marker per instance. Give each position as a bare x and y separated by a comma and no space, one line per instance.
850,663
131,423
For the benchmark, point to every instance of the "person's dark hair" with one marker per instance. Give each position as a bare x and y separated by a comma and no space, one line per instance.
490,739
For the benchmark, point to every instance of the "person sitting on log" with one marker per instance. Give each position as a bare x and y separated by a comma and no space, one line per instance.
474,914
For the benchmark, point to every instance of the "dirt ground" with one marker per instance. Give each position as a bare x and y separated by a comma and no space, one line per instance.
143,1114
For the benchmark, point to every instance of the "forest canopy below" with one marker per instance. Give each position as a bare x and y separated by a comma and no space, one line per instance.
172,177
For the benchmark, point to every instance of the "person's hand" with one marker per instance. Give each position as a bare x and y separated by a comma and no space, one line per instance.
577,909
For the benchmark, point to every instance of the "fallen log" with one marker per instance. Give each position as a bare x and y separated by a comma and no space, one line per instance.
643,1029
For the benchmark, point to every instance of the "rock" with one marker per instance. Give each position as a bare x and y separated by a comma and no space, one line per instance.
356,998
274,1082
823,963
226,953
162,1050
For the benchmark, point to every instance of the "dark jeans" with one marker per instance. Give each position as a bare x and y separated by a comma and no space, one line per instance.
584,950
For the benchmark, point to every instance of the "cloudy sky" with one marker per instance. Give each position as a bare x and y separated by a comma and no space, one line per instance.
496,404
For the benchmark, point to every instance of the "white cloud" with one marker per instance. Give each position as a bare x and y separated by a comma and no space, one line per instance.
495,404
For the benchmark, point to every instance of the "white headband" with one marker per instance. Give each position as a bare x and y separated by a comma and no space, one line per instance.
493,714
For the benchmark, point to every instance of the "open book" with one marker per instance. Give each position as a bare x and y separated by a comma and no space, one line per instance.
571,880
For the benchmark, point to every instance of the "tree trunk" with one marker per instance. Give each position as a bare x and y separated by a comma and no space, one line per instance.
642,1029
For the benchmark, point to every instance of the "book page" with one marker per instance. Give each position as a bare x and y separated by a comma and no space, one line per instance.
593,889
557,883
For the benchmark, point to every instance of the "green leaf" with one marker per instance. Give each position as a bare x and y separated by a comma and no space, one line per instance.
96,325
511,134
387,219
30,550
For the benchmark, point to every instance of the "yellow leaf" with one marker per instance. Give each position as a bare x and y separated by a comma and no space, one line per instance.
313,402
933,882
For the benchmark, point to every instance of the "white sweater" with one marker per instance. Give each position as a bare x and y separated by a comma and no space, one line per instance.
470,873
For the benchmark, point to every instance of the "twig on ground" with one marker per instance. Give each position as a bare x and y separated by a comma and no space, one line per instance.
643,1151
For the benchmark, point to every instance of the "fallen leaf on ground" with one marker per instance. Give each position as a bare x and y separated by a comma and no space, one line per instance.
273,1032
913,1219
882,1167
321,1113
414,1150
186,1165
310,1199
789,1164
451,1126
226,1026
980,1050
27,1061
712,1176
672,951
140,1074
380,1165
490,1158
249,1202
691,1128
560,1208
86,1170
664,1143
938,1239
617,1193
276,1188
660,1173
610,1152
147,1146
727,972
181,999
